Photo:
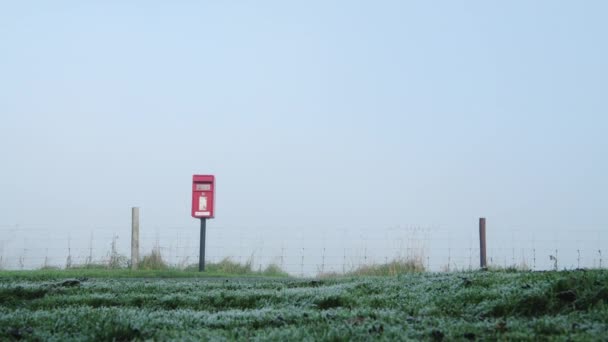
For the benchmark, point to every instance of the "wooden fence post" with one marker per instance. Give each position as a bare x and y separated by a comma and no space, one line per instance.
134,237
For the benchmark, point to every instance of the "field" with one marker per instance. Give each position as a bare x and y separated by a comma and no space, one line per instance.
124,306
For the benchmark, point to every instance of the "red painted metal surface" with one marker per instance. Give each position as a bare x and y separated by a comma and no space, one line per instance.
203,196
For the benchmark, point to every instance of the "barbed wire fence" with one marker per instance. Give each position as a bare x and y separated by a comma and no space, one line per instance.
306,252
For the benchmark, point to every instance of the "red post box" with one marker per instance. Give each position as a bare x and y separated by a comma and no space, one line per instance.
203,196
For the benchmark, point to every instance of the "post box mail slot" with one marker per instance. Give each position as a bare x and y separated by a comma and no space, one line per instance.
203,196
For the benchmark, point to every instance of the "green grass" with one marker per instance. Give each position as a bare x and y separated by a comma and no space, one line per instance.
124,305
392,268
151,266
153,261
50,274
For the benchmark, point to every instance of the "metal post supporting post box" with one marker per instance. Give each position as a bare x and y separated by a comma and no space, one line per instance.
201,257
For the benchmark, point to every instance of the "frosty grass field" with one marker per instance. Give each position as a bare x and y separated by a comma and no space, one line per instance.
124,306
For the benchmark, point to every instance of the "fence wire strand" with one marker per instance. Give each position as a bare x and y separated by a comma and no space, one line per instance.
304,252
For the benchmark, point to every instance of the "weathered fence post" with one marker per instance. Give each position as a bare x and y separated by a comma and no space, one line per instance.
482,243
134,237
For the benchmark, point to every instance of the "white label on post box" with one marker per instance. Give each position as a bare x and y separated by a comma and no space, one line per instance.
202,203
202,213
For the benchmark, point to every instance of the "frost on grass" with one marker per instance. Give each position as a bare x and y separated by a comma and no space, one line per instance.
418,306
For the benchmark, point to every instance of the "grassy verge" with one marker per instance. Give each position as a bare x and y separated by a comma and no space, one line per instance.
151,266
392,268
114,273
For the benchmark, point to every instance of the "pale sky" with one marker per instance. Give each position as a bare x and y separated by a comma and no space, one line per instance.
314,114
